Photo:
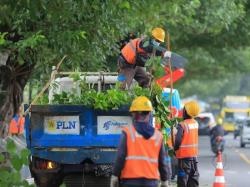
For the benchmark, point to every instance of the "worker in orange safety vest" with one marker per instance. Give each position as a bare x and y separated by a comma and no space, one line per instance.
134,55
141,153
186,147
16,126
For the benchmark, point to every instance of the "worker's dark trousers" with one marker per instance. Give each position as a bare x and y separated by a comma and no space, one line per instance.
188,175
129,72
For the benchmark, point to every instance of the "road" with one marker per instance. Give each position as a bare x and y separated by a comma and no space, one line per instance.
236,163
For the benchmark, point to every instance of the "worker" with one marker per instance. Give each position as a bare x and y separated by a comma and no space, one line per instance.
186,147
141,154
134,55
217,135
129,36
16,126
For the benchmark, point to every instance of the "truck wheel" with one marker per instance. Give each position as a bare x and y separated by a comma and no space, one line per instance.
48,180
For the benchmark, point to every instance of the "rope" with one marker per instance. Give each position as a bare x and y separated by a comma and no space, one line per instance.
54,72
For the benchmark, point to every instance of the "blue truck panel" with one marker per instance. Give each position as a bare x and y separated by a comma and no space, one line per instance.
87,143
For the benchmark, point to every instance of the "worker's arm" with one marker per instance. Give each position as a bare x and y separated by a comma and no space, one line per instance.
121,155
148,47
178,137
177,60
164,168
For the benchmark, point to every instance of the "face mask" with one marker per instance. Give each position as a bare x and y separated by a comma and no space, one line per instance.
155,43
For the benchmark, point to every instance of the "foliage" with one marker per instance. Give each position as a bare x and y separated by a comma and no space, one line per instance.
111,99
213,35
88,31
10,175
115,98
154,66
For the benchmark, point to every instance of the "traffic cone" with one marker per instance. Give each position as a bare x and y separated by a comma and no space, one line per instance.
219,173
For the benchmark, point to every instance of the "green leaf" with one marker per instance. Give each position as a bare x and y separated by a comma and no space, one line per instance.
5,177
11,147
125,5
16,177
82,34
75,76
24,156
16,162
1,158
2,40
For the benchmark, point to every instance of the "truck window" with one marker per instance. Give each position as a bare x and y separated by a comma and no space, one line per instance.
239,105
229,116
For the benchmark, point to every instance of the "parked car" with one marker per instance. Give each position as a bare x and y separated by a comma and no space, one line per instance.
206,122
245,133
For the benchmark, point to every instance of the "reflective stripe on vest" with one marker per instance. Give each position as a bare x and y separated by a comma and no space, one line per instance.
130,49
131,133
189,143
142,155
153,160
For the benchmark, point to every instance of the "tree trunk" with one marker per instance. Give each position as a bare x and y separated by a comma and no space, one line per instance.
13,78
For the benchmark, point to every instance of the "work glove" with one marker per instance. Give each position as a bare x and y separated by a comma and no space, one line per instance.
167,54
114,181
165,183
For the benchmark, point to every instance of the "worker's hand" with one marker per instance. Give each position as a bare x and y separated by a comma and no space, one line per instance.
164,183
114,181
167,54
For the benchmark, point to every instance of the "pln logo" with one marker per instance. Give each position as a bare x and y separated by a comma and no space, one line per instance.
51,125
66,124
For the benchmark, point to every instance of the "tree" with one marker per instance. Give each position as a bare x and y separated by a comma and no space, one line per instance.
36,34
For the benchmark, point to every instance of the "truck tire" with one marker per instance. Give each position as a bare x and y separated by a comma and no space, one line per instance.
48,180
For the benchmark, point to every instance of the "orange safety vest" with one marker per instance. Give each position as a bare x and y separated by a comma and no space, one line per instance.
17,127
189,143
142,155
130,49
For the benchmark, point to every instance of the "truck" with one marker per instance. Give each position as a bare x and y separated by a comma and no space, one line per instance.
234,108
75,144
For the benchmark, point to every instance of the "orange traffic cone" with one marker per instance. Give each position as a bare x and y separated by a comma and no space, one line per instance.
219,173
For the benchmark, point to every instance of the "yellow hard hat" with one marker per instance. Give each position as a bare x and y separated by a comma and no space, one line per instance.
159,34
141,103
219,121
192,108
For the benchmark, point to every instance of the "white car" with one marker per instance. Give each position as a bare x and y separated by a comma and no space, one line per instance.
245,133
206,122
